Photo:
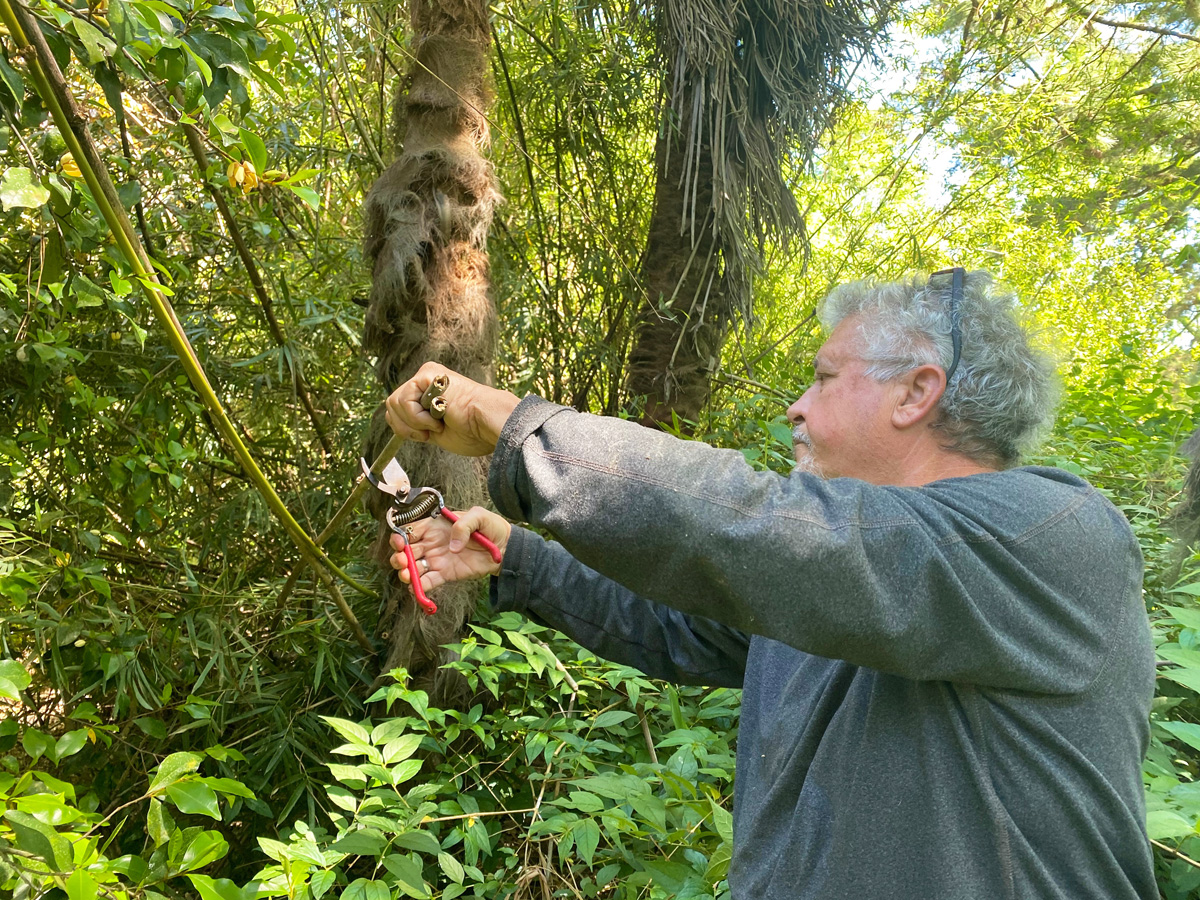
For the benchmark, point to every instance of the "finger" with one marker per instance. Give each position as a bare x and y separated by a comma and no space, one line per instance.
401,428
487,523
428,536
405,415
460,533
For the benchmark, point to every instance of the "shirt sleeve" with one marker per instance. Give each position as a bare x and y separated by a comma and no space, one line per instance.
1012,579
542,581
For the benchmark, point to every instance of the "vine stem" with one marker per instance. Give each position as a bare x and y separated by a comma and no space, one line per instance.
52,88
1175,853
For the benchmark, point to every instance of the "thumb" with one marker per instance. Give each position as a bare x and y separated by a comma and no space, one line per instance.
487,523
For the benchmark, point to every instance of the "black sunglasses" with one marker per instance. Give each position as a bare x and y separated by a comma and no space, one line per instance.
957,273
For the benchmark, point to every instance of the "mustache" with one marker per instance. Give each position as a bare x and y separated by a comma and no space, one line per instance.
801,437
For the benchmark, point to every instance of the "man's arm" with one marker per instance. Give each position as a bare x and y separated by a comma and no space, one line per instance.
542,581
1011,580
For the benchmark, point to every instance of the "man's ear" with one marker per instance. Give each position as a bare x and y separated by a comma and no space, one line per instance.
921,389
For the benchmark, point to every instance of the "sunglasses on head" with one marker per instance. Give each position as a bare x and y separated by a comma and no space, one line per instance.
957,273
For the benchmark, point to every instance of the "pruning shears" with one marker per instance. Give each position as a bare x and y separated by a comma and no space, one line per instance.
408,506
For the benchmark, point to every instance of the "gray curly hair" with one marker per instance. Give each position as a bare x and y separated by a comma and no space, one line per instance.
1002,396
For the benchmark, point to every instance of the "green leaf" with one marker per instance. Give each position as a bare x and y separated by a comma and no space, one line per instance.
614,787
405,771
205,73
13,679
70,744
256,148
174,767
229,786
1189,678
194,797
669,875
134,867
12,80
367,889
1184,731
421,841
97,46
651,808
587,837
307,851
351,731
41,840
221,888
401,748
18,189
55,784
159,823
151,727
81,885
37,744
206,847
310,197
365,842
1164,824
119,20
221,51
612,717
1188,618
585,801
47,809
407,872
320,883
452,867
348,775
722,821
277,850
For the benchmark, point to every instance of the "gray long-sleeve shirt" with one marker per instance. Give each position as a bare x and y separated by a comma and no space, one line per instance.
946,688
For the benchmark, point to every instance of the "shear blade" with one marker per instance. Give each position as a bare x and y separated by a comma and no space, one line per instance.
393,480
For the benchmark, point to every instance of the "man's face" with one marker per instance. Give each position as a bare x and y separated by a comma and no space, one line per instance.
842,424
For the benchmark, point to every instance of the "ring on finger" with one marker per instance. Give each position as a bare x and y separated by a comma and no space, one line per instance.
424,564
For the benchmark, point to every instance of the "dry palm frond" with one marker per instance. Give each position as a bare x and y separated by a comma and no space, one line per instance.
754,80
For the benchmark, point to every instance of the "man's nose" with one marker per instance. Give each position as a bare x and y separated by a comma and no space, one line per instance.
795,413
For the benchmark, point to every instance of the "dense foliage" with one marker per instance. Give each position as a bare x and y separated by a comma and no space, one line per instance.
166,707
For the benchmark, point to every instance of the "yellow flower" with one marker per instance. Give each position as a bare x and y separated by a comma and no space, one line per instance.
242,174
69,166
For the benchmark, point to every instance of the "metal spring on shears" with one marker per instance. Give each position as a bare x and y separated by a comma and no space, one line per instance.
426,504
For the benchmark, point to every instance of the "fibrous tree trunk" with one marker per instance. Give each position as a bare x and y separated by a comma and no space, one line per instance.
683,318
749,85
427,219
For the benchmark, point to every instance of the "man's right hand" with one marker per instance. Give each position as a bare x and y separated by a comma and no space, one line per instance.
475,413
446,553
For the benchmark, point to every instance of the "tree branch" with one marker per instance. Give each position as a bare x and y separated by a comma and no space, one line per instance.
1153,29
196,145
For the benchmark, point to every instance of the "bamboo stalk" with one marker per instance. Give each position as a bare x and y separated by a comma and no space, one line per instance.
360,487
51,86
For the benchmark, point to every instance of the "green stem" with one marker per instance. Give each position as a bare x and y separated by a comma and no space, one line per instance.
385,456
46,77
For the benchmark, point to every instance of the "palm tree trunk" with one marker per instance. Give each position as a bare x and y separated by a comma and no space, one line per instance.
683,317
427,220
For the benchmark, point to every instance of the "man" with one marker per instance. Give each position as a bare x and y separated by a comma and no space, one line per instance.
946,663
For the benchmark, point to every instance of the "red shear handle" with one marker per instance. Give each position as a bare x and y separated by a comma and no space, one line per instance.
479,538
414,575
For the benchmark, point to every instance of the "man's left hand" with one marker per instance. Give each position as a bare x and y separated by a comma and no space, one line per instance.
475,413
